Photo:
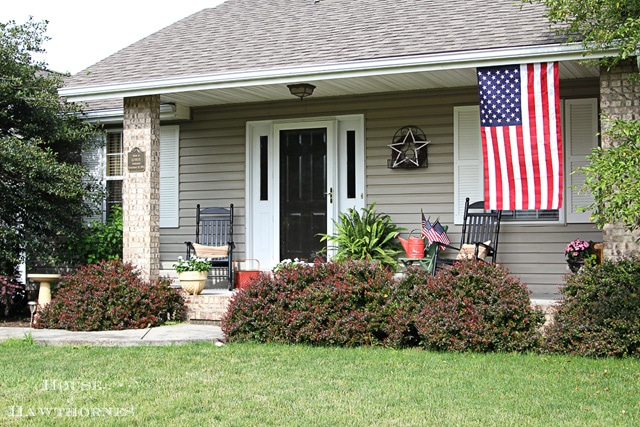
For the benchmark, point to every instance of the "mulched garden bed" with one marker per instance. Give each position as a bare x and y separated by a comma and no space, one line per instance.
15,320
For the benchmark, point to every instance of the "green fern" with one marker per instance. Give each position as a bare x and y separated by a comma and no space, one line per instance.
367,236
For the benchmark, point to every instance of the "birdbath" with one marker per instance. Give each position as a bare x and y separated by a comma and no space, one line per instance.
44,295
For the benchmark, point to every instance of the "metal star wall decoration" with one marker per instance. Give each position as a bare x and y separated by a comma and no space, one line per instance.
407,146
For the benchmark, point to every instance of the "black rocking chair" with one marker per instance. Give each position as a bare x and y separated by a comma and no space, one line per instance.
480,231
214,240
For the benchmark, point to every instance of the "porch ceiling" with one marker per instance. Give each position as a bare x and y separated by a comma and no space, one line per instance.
352,85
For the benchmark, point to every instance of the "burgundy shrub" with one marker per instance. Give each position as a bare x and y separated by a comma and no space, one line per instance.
337,304
110,295
476,306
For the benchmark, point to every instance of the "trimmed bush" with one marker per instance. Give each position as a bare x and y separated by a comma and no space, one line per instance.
333,304
600,312
476,306
110,295
98,241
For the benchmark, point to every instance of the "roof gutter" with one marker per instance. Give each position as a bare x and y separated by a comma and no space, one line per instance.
365,68
168,111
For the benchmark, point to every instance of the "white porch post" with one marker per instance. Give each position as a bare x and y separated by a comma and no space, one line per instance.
141,184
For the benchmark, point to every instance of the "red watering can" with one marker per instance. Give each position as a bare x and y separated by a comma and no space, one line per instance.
414,246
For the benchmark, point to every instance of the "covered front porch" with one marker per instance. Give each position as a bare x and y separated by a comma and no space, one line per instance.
230,152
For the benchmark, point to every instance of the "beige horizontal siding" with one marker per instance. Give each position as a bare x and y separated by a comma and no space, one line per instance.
212,171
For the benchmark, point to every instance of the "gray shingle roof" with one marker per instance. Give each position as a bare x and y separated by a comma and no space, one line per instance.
254,35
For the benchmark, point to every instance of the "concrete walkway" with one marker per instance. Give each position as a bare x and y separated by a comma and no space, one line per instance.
162,335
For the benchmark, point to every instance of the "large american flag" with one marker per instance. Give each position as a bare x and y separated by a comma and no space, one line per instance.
521,136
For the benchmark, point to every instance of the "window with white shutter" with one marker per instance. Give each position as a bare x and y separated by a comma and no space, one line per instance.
94,160
111,168
467,152
114,172
580,135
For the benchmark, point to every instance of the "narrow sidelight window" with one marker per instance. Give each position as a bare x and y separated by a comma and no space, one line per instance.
264,167
351,164
114,170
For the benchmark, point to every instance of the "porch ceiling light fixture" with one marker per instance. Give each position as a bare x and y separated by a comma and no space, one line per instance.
301,90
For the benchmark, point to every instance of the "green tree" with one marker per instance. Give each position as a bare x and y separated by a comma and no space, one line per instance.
43,191
613,175
601,25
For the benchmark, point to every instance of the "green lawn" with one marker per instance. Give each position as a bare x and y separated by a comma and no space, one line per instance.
276,385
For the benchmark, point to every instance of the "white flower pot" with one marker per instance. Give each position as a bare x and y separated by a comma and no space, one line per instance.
192,282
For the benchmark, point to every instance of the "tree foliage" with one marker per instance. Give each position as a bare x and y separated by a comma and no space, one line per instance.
100,241
600,25
613,177
43,192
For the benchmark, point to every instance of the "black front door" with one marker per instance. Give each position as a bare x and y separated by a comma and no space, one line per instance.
303,182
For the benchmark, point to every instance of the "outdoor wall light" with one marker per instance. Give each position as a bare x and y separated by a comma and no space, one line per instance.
301,90
32,309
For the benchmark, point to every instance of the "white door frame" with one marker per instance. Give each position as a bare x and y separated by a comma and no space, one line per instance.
262,216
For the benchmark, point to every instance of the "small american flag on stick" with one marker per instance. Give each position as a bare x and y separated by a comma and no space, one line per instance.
442,234
427,230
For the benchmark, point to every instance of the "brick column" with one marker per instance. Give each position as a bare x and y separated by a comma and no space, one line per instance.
141,185
619,99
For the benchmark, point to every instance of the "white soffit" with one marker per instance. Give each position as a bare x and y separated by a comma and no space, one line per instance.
392,74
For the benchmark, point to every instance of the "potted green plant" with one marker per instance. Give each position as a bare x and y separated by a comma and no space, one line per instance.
192,274
366,236
578,253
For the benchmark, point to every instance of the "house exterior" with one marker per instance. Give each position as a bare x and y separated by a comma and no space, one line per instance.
201,113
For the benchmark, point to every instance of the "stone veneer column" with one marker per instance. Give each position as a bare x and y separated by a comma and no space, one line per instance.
141,190
619,99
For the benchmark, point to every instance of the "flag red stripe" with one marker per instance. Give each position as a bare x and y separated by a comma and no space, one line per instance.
559,172
533,135
497,160
487,167
522,160
510,166
547,169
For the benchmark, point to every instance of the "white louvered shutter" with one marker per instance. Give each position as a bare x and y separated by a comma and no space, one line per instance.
467,152
169,179
581,129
